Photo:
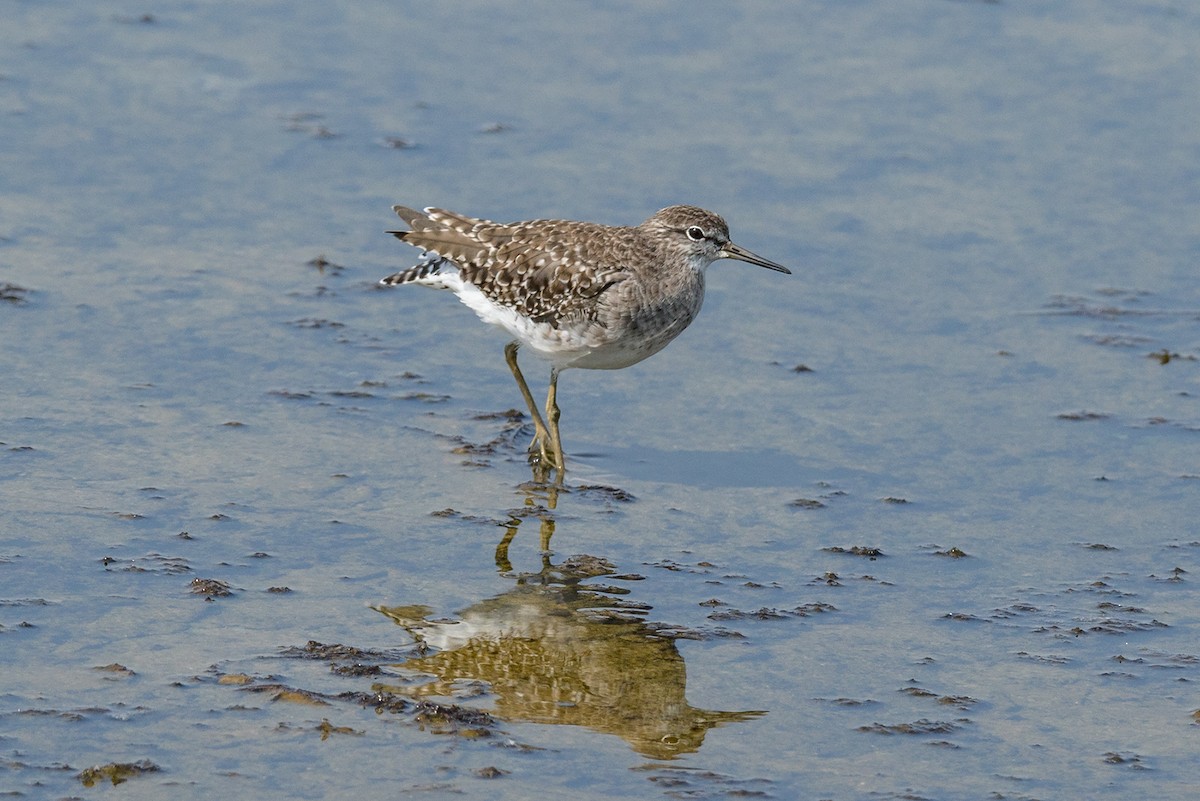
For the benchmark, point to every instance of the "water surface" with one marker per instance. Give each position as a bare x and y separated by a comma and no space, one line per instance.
917,521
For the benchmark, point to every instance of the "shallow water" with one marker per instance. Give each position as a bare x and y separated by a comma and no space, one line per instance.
268,530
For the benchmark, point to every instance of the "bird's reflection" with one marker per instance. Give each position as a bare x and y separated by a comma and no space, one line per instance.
541,499
558,649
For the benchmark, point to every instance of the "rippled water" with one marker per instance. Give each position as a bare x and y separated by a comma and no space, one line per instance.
917,521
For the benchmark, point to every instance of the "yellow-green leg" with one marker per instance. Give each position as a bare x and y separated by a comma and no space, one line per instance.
552,416
546,445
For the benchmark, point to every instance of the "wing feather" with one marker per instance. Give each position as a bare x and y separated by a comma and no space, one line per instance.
551,271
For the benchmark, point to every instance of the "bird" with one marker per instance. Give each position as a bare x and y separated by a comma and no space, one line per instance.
578,294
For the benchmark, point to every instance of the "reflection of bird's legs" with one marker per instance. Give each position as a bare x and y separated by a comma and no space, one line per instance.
545,529
502,562
541,438
552,416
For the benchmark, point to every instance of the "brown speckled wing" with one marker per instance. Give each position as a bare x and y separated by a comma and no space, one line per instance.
448,235
551,271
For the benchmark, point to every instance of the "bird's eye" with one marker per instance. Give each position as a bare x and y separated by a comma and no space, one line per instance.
695,233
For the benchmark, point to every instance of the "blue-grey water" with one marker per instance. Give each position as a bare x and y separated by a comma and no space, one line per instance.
919,521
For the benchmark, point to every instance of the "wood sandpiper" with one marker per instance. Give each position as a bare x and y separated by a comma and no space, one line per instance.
579,294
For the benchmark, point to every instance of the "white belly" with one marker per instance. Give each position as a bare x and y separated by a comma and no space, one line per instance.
607,344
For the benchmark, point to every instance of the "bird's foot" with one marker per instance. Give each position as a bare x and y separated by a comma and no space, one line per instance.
544,454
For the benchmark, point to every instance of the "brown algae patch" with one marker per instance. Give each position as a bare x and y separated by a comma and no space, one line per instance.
922,726
211,589
116,772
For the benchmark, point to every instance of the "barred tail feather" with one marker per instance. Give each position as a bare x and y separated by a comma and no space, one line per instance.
436,272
